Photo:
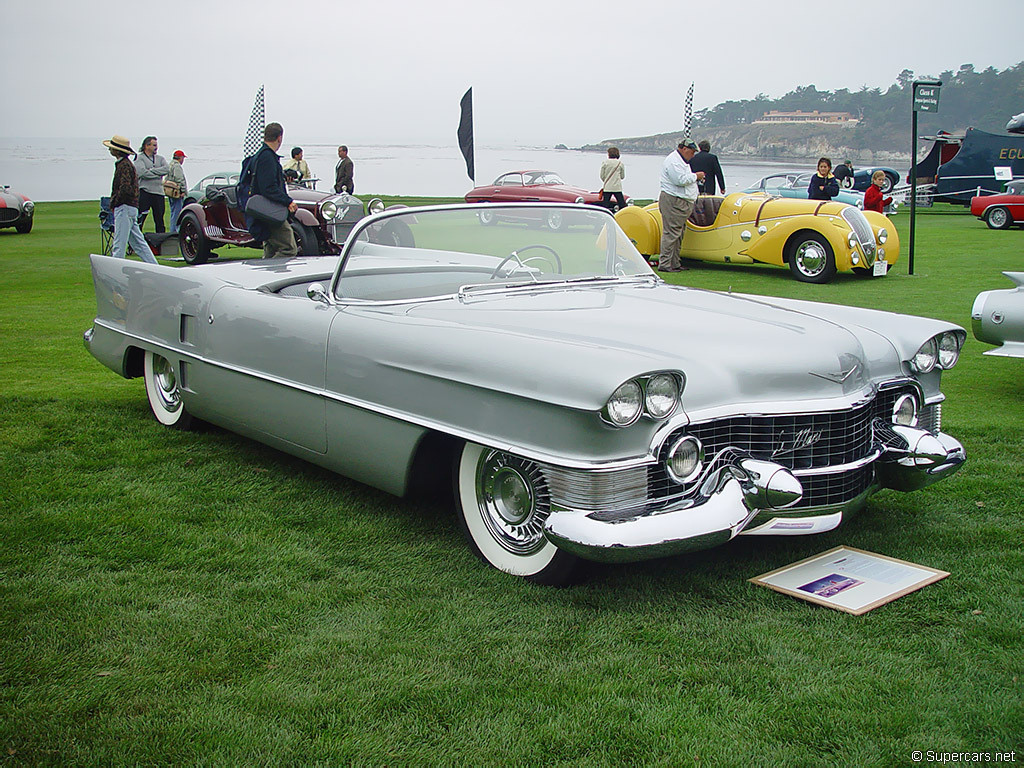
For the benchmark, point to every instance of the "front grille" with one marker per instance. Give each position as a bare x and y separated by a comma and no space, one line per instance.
862,229
814,443
9,215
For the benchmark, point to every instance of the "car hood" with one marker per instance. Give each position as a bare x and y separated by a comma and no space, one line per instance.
576,346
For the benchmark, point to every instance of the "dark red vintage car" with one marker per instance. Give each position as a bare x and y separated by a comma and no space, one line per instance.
531,187
1001,211
321,223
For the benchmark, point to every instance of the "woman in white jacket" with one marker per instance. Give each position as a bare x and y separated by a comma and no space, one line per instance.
613,171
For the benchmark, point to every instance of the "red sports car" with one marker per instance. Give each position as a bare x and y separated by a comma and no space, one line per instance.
531,187
1001,211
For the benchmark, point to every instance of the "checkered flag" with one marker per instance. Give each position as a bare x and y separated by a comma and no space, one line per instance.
254,136
689,112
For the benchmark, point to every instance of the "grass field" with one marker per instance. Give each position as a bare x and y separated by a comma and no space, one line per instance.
196,598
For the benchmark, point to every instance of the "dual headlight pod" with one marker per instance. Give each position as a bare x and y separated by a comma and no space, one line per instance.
656,396
942,351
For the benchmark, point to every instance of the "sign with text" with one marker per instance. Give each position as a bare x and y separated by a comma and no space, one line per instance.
926,97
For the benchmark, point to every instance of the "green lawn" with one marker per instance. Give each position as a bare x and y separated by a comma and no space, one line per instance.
197,598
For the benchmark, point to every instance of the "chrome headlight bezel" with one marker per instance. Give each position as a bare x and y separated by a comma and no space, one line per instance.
926,357
949,345
655,395
905,410
28,206
625,405
376,205
328,210
685,468
882,235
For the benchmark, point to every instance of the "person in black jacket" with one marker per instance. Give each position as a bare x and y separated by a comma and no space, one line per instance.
707,162
823,184
268,180
844,174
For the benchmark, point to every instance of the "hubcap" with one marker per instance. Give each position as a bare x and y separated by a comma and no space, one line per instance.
811,258
166,384
513,501
555,220
997,217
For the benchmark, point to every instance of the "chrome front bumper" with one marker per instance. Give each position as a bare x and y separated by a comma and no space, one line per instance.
744,488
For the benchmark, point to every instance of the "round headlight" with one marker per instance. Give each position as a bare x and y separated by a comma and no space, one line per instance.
376,206
851,240
685,460
329,210
883,235
905,411
625,404
949,349
925,358
662,395
29,206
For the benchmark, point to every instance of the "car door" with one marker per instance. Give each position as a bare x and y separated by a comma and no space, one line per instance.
266,366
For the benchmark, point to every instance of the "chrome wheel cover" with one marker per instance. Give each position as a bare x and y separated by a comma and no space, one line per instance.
513,501
166,384
997,217
810,258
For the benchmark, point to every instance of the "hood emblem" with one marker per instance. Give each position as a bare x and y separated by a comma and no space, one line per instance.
805,438
838,378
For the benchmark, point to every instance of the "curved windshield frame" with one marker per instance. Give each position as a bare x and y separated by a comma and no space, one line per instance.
442,251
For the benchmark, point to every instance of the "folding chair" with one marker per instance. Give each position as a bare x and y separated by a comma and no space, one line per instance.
106,227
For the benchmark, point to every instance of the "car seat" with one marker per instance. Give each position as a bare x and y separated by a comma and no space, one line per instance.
705,210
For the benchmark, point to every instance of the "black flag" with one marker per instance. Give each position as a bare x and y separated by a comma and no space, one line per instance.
466,134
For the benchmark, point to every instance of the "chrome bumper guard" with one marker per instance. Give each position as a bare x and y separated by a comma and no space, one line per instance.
735,493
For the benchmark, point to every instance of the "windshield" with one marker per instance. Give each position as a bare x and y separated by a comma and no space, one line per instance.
428,252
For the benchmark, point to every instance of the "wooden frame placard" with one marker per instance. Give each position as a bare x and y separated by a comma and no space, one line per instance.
849,579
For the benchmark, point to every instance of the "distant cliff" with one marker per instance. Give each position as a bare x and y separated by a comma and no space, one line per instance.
787,141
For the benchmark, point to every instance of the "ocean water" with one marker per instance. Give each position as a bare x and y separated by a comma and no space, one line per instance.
82,168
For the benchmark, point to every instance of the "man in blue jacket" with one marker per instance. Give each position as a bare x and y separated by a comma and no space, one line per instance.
268,180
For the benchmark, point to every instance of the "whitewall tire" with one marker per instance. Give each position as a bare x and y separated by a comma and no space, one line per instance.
164,393
502,504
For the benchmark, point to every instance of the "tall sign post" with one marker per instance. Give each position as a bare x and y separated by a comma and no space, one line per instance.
926,99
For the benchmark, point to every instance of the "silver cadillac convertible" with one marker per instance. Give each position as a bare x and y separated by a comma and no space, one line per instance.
580,406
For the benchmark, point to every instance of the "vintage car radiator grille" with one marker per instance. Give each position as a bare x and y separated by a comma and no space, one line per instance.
7,215
862,229
810,442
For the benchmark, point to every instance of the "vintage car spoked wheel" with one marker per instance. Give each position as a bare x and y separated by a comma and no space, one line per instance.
486,217
887,185
810,258
163,392
555,220
555,262
503,502
997,218
195,248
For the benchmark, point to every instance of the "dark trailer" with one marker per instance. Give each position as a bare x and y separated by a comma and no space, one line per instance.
961,164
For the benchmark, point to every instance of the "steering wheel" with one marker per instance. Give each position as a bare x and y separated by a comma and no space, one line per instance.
556,264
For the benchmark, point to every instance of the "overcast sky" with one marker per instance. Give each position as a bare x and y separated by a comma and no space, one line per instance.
393,71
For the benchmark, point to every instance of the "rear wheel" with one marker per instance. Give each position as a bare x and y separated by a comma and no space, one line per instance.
997,218
888,184
195,248
164,394
810,257
502,503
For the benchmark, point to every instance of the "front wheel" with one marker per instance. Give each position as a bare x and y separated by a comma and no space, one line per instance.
555,221
23,228
997,218
888,184
195,248
305,239
502,503
164,393
810,257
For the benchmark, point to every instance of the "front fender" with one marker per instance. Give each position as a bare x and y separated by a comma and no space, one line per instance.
642,226
306,218
197,210
770,248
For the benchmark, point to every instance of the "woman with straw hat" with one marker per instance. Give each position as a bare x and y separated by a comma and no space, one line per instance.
124,202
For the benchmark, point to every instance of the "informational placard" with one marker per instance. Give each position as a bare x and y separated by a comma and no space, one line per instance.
849,579
1003,172
926,96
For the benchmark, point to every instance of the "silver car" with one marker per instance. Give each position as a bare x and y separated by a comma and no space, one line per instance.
580,406
997,317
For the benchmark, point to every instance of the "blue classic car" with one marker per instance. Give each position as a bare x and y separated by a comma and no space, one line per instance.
516,365
795,185
862,178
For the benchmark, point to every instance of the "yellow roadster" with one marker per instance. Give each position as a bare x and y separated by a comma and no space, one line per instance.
816,239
